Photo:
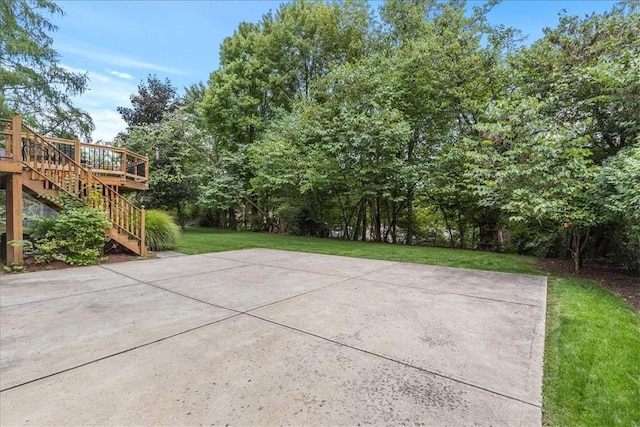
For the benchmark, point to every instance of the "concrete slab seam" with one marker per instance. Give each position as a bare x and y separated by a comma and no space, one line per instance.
182,275
438,374
151,283
530,366
74,295
214,255
438,291
307,271
157,286
346,279
294,269
474,270
120,352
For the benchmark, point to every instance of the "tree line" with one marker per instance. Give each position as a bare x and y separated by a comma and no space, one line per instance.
416,123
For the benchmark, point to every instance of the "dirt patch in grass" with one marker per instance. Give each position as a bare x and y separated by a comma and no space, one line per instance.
623,285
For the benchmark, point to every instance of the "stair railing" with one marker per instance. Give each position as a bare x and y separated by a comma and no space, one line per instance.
60,172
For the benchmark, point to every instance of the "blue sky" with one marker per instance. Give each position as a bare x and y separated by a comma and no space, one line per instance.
119,43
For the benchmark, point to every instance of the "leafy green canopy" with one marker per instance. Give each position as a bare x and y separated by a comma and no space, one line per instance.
32,81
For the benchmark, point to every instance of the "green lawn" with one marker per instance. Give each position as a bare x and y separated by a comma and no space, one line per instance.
592,351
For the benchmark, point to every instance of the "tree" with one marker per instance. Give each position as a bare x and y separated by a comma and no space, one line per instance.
619,191
269,66
536,168
588,72
447,75
32,81
590,68
344,147
153,100
175,147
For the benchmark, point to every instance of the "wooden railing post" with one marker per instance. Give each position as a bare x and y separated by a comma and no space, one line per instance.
76,150
143,240
89,184
16,138
123,164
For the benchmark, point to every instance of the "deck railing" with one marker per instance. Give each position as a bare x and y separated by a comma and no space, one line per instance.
49,158
105,160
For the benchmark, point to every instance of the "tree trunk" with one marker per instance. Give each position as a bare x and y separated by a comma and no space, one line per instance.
180,215
413,142
578,244
410,217
461,230
364,221
359,221
452,242
375,219
488,225
233,223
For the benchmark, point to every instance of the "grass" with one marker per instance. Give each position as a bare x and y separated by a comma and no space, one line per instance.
202,240
592,357
592,347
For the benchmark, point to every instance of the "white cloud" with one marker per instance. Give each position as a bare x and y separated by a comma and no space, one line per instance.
101,99
73,69
108,124
121,75
116,59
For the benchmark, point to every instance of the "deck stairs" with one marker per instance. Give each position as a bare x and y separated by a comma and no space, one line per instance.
48,172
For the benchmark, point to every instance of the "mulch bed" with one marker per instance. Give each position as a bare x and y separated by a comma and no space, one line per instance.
623,285
30,264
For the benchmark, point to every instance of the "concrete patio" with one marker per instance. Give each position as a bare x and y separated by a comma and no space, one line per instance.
269,337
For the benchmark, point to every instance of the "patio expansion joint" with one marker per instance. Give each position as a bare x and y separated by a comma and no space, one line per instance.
439,291
120,352
400,362
172,278
153,285
263,264
73,295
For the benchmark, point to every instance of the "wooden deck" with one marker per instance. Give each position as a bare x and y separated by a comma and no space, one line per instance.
96,175
115,166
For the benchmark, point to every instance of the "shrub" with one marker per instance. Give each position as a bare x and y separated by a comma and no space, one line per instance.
75,237
161,232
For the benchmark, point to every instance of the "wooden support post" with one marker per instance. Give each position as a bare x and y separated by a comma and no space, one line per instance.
15,254
76,150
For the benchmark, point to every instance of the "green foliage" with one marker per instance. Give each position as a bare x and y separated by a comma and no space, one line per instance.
32,81
619,192
13,269
76,236
153,100
536,169
161,233
591,369
589,68
176,149
428,125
